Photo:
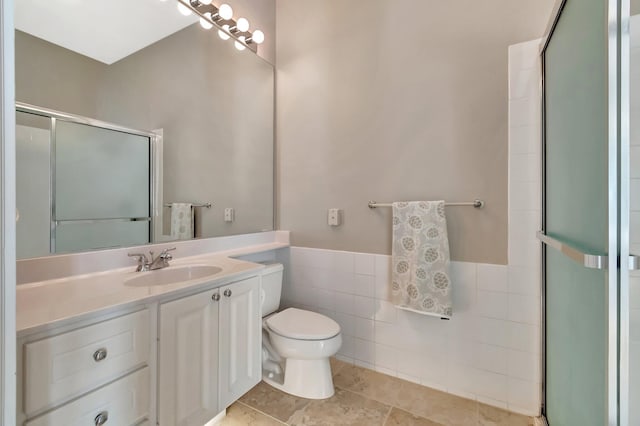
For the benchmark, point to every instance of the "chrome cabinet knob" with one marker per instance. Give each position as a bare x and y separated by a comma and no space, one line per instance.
100,354
216,297
227,293
101,418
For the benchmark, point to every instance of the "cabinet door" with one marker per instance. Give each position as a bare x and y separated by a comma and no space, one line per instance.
240,339
188,364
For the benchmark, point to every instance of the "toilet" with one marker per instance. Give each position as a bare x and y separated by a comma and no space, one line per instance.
296,344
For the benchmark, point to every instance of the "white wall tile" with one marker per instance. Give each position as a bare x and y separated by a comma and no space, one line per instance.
344,303
524,280
386,357
524,140
348,346
365,264
364,307
364,285
523,365
492,277
524,309
364,350
385,311
524,167
364,329
492,304
491,385
383,277
492,331
491,358
523,337
524,195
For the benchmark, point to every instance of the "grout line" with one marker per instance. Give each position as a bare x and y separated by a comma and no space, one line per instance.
386,418
261,412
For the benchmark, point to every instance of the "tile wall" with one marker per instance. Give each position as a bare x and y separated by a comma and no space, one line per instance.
490,349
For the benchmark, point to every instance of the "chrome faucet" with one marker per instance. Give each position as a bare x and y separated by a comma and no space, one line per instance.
162,261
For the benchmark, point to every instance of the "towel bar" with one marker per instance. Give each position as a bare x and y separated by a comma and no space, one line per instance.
205,205
478,204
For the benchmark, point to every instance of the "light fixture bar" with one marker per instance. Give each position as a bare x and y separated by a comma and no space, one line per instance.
210,14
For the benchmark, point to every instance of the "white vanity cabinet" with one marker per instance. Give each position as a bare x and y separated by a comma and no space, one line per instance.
209,352
96,374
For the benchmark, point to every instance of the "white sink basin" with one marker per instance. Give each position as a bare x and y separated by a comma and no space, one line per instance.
172,275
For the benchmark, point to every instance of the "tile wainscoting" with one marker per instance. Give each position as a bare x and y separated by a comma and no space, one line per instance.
488,351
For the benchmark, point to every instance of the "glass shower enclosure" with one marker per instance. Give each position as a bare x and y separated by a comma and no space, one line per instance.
81,184
591,219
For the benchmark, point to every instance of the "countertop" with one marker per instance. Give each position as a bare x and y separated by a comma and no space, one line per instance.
45,304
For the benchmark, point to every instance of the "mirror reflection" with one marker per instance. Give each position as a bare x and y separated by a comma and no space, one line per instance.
148,130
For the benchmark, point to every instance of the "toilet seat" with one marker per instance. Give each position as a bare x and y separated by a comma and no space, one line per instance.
302,325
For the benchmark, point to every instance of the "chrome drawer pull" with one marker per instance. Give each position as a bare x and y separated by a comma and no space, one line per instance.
215,297
101,418
227,293
99,355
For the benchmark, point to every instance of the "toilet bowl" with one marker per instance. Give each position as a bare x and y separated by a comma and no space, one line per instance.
297,344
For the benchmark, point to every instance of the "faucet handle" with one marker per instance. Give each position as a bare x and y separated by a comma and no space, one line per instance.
141,256
142,260
168,250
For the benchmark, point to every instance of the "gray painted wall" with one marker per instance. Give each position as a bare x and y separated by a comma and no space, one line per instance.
396,100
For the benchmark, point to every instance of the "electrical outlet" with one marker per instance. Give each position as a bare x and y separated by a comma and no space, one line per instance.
334,217
229,214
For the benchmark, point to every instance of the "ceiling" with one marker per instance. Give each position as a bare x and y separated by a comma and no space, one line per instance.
105,30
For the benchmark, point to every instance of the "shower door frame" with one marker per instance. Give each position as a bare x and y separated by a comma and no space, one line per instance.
618,265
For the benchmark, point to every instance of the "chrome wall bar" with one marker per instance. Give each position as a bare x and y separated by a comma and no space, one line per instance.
592,261
195,205
478,204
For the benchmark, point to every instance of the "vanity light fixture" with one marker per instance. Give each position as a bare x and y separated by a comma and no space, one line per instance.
222,18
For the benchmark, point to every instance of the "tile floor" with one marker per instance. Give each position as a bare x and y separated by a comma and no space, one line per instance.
366,398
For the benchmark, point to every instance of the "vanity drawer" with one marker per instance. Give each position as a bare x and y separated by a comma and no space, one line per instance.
121,403
64,366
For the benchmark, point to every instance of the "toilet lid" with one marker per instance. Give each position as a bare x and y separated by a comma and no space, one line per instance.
303,325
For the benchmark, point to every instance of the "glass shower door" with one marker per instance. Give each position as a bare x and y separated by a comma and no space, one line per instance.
581,218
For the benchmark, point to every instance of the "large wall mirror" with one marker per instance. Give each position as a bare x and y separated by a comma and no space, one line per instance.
134,126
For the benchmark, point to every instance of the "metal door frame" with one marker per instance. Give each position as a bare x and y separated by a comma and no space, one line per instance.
618,265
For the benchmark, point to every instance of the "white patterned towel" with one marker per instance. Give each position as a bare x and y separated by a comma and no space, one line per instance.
420,258
182,221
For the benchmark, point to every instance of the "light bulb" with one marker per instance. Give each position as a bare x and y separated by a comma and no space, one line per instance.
205,2
239,45
257,37
184,9
222,34
225,11
242,25
206,24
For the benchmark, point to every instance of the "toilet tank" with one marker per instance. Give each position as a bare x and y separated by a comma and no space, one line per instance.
271,287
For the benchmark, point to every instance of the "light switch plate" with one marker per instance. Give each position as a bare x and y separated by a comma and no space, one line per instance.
229,214
334,217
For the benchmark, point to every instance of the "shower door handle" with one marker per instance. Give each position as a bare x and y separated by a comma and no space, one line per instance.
593,261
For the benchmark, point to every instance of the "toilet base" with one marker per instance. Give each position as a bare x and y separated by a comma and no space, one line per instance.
306,378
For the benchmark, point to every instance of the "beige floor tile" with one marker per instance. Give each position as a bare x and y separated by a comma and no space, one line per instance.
369,383
437,406
491,416
336,365
344,408
241,415
402,418
273,402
